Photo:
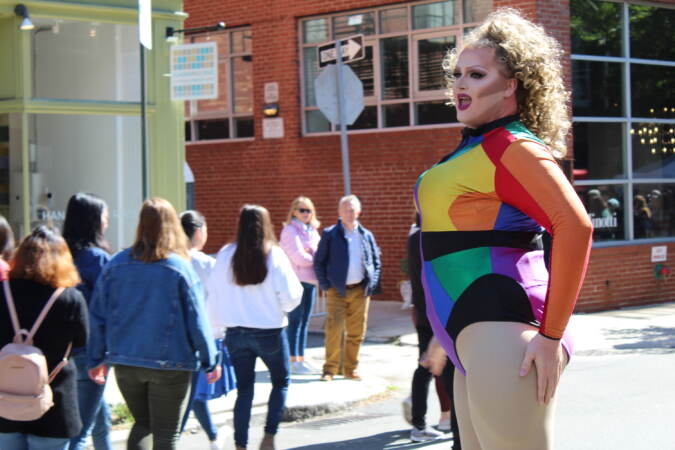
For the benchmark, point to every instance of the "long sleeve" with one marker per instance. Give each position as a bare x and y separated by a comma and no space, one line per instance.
377,262
321,261
197,324
286,283
291,243
96,346
529,179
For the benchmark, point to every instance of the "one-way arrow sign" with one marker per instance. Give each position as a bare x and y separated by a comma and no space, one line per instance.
352,50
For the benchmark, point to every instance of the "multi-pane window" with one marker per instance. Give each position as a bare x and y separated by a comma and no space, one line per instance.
623,102
230,116
401,72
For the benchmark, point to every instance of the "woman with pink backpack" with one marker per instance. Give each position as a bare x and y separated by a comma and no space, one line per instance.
42,269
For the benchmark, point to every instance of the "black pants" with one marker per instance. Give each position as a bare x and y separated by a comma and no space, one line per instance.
448,376
420,388
420,383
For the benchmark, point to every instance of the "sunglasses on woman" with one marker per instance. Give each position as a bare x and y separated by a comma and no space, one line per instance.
304,210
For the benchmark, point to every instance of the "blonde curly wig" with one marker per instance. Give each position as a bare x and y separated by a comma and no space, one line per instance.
532,57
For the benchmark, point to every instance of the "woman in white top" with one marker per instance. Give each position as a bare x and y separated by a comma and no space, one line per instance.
300,239
194,225
251,290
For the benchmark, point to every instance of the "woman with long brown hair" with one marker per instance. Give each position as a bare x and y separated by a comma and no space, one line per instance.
148,321
41,265
251,290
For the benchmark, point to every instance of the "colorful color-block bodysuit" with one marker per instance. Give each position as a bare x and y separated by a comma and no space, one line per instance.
483,210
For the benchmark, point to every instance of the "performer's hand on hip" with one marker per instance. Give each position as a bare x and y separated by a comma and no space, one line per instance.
549,361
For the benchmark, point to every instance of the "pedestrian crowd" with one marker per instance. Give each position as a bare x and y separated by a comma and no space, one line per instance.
178,326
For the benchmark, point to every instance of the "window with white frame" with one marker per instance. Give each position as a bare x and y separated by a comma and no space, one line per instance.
623,101
230,116
402,77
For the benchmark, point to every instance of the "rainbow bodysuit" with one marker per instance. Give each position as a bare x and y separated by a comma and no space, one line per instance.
483,210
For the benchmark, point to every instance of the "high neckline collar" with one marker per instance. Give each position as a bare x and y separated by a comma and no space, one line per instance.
473,132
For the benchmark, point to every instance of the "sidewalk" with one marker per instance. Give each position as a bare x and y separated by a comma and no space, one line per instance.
390,348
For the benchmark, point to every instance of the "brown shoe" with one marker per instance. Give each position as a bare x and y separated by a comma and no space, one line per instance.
326,376
267,442
353,376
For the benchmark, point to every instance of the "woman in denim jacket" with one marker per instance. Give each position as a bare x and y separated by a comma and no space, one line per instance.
147,319
300,239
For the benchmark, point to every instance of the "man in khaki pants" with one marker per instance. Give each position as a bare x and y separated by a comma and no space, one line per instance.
347,265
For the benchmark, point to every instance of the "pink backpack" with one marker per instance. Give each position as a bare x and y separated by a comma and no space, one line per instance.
24,378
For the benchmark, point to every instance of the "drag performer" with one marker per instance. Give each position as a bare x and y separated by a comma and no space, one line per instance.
498,307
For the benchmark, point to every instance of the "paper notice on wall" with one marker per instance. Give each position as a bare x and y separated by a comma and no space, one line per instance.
273,128
145,23
660,253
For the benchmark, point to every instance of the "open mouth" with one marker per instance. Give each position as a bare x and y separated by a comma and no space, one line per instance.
463,102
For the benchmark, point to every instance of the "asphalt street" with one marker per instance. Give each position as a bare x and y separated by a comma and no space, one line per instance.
618,393
618,400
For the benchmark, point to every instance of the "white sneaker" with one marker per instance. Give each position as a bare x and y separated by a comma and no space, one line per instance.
407,409
213,445
444,425
427,434
310,368
298,368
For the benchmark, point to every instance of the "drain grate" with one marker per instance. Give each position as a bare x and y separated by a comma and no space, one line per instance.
328,423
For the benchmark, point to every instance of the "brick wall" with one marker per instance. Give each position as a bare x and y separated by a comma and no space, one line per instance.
384,165
622,276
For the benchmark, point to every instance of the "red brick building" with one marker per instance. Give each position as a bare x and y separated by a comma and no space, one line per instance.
619,61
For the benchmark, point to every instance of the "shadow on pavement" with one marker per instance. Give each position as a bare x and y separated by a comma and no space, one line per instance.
647,340
390,440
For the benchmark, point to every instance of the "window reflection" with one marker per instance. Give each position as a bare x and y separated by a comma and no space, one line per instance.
394,20
315,31
653,91
653,150
441,14
606,209
362,23
598,150
395,81
597,89
649,31
430,113
653,210
596,27
430,61
476,10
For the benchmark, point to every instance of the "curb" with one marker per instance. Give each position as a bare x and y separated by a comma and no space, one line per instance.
223,418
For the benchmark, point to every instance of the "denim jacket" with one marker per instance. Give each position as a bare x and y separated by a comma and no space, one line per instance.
331,260
150,315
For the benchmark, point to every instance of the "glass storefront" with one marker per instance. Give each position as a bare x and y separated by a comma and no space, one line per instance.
623,75
70,116
98,154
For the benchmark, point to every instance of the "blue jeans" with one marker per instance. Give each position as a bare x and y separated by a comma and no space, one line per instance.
298,321
245,346
201,410
94,410
22,441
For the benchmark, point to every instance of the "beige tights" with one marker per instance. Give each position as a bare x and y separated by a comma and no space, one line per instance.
496,408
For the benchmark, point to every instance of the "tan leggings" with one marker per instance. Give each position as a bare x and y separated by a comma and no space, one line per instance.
496,408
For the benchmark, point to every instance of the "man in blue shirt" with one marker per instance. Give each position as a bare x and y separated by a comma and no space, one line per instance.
347,265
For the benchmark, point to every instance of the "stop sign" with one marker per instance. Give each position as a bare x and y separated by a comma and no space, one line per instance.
325,86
